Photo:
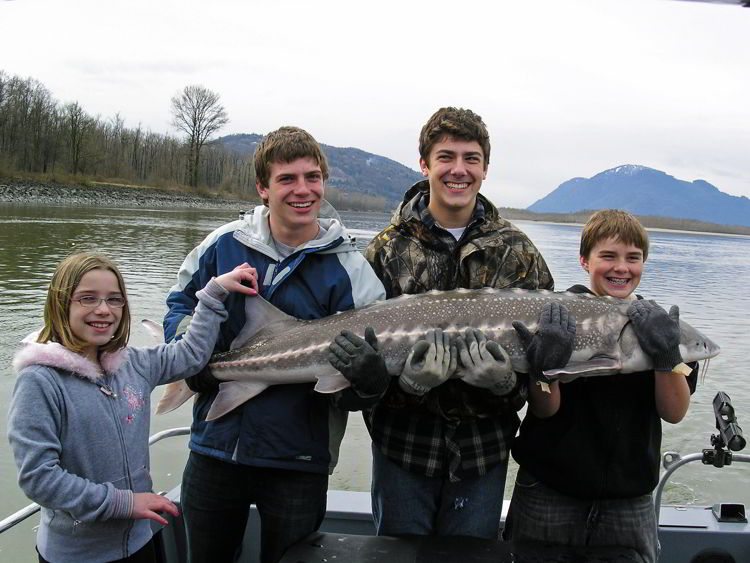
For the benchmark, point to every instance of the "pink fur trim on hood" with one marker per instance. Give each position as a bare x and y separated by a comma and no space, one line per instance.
55,355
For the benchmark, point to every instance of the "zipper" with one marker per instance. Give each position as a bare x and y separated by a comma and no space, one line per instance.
108,391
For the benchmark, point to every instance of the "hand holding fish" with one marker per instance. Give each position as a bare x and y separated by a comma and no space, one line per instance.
658,332
430,362
360,362
232,281
484,363
552,344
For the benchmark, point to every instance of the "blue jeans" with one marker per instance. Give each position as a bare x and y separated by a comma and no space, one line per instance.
541,514
216,497
409,503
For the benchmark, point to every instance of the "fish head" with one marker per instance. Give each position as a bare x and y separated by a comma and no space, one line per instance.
694,345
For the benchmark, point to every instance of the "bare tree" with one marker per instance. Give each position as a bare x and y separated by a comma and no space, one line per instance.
196,111
78,125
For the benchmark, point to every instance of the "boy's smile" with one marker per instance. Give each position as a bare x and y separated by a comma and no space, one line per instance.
614,268
455,171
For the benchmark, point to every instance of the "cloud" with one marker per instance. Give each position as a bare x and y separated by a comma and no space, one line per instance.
566,88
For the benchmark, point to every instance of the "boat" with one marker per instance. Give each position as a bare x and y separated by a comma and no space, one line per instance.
719,533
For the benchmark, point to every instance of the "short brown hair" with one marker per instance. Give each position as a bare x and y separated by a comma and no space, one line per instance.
64,282
286,144
613,223
460,123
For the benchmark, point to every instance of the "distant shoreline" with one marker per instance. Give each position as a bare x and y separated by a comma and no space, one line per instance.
33,192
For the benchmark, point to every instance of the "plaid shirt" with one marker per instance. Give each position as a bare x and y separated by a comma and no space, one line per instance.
454,430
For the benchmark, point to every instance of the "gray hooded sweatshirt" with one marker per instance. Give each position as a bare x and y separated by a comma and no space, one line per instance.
80,436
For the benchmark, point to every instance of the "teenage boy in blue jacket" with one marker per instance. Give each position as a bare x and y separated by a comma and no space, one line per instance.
277,449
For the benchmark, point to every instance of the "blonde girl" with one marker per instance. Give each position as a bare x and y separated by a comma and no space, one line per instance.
79,415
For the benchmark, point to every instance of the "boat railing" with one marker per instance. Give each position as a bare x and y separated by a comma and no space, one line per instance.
725,442
33,508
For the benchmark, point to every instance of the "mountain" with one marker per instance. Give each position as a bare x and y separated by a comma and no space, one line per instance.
645,191
350,170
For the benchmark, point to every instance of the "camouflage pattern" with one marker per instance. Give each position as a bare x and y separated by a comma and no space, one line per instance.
410,256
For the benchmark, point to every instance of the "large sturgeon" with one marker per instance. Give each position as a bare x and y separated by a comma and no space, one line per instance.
274,348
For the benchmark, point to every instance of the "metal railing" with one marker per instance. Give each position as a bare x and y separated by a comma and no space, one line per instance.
33,508
672,461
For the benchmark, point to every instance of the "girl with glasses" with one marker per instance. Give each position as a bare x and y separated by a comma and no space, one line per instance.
80,411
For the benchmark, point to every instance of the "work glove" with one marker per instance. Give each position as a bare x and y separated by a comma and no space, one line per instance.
431,361
203,381
360,362
658,332
484,363
551,345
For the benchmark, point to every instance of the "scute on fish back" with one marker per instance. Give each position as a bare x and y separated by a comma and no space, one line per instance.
274,348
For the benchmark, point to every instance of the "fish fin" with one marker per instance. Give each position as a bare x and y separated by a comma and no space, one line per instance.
593,366
154,329
261,315
232,394
174,395
331,383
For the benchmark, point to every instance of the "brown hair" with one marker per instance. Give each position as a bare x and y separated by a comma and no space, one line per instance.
460,123
64,282
286,144
613,223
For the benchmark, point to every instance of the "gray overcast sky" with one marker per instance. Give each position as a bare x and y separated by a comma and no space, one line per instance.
567,88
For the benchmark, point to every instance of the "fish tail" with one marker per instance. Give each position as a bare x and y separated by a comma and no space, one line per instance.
175,394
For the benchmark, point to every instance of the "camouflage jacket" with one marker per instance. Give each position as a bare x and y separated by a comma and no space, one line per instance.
414,255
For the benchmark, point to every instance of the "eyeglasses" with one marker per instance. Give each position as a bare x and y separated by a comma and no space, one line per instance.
92,301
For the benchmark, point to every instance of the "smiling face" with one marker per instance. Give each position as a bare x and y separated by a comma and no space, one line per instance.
455,170
95,326
614,268
294,194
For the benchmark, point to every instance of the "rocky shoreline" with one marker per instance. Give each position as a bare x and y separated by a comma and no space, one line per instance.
28,192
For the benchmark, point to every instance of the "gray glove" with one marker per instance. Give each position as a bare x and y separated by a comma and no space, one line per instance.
431,362
552,344
360,362
657,332
484,363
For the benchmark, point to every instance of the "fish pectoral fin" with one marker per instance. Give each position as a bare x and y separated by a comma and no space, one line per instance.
593,366
174,395
232,394
331,383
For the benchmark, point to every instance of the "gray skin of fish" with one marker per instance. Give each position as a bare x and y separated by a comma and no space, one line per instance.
274,348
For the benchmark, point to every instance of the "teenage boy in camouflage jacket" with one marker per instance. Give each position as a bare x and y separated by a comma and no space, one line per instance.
440,445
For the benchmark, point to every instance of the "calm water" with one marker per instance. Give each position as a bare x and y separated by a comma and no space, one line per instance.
705,275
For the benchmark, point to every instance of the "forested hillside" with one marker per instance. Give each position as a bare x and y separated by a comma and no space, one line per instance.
39,134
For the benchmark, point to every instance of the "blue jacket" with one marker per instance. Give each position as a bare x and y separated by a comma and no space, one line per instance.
286,426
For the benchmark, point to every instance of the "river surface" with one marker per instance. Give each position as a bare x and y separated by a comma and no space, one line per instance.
706,275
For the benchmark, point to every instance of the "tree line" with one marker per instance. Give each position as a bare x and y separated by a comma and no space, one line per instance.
61,141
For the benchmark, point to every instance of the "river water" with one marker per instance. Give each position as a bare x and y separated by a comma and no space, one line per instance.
706,275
